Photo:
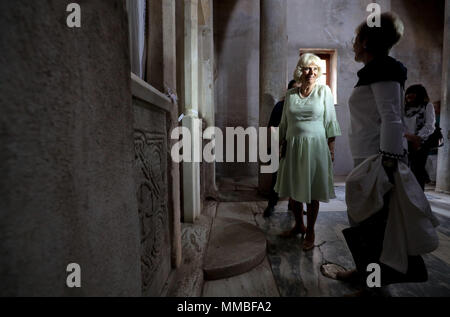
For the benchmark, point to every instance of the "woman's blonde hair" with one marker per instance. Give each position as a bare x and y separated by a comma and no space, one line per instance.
305,60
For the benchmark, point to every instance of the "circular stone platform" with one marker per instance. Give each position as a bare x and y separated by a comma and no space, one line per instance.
235,247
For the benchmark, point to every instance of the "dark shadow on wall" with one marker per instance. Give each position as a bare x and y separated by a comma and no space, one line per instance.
236,39
421,46
222,11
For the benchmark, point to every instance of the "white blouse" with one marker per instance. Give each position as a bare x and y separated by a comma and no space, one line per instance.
428,128
376,120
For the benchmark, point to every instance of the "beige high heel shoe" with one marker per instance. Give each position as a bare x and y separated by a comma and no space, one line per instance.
308,243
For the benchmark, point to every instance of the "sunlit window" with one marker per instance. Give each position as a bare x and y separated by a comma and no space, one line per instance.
328,63
323,79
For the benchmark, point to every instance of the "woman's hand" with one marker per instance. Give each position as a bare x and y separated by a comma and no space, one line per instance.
390,166
331,142
414,140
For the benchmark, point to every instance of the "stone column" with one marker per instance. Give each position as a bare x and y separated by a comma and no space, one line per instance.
443,165
155,52
136,24
191,170
206,62
169,44
206,85
170,86
191,54
273,65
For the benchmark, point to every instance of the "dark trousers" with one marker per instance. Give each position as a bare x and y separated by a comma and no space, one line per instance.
273,196
365,242
417,162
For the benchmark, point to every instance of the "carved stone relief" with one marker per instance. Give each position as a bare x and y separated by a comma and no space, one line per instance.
151,178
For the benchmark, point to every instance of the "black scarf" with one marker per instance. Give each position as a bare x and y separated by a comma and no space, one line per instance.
383,68
420,114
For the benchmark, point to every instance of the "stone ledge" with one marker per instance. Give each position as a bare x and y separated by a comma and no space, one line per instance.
235,247
142,90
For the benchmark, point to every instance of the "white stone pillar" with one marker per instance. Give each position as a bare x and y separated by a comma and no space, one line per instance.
206,86
206,63
191,170
273,65
170,86
169,44
191,54
443,164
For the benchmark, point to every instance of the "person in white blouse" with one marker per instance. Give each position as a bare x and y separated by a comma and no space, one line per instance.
376,104
376,109
420,122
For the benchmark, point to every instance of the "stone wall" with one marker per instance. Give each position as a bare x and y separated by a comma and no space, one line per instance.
316,24
421,47
331,25
236,40
66,151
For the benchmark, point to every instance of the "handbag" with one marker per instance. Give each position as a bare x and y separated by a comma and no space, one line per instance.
435,140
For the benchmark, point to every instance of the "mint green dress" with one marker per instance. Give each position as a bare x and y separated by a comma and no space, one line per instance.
306,171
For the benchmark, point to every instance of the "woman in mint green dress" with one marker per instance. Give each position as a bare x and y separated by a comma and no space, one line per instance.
307,131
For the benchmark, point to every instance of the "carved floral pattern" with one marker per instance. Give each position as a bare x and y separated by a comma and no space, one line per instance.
151,193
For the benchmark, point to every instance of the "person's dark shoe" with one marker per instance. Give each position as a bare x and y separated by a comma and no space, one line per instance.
268,211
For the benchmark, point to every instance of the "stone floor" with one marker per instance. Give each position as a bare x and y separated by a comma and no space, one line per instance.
288,271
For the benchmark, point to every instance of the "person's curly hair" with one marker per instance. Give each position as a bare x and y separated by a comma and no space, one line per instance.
380,40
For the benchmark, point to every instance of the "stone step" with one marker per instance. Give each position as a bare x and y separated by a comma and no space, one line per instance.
235,247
